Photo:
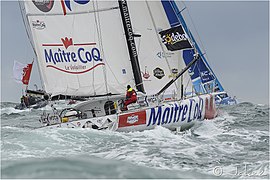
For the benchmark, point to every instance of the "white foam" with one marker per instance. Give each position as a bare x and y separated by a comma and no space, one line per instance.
10,110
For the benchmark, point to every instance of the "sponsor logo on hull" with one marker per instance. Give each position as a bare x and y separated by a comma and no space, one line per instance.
132,119
177,112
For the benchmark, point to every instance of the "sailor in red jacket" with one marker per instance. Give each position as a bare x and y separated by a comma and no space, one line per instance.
131,97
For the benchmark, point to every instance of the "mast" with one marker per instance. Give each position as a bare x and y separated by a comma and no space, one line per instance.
131,45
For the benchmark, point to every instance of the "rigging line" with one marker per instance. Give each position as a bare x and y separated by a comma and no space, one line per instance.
97,27
188,30
77,75
26,29
189,79
160,43
97,21
196,31
107,63
179,21
193,24
31,41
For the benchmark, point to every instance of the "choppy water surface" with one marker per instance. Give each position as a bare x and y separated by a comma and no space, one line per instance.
233,145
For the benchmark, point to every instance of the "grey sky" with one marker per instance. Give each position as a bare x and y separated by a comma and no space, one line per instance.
235,35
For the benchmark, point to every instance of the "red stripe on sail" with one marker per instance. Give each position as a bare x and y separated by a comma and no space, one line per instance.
81,72
78,44
52,44
85,44
63,7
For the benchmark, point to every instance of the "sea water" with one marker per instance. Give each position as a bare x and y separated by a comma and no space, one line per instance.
233,145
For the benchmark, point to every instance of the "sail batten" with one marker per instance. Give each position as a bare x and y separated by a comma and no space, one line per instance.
73,13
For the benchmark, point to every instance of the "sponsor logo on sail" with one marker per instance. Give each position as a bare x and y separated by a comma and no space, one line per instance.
191,72
174,73
164,55
44,5
82,55
175,38
146,74
66,4
38,24
159,73
47,5
206,76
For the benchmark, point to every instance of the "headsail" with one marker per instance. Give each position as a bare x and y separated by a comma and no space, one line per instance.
158,64
203,78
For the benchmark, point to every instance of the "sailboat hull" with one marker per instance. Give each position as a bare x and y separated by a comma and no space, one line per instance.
172,115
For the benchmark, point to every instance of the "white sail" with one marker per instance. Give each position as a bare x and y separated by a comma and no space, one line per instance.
77,48
158,65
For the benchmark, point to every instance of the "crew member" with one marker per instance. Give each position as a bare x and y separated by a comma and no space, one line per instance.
131,97
26,100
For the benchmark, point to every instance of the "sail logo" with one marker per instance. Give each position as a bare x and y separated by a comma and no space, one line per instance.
82,54
44,5
47,5
38,24
175,113
174,73
174,38
191,72
206,76
66,4
146,74
159,73
162,55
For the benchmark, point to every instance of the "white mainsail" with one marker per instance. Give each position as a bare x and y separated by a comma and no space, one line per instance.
82,50
79,53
